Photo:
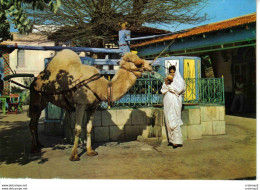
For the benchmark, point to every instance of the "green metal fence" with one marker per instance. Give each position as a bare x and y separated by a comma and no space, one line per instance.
146,92
204,91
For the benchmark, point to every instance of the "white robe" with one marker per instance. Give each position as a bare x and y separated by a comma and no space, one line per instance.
172,102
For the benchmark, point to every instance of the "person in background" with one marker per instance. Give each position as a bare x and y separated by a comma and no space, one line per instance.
173,88
124,34
239,96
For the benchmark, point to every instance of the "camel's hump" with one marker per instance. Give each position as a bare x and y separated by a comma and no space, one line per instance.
63,72
64,59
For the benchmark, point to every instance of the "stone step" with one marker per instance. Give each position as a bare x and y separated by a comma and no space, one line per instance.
240,121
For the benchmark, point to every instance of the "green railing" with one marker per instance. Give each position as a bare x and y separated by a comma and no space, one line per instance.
146,92
204,91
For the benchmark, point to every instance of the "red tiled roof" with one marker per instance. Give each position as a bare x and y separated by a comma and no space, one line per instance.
147,30
204,29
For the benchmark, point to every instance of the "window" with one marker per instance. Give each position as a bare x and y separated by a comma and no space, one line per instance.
20,58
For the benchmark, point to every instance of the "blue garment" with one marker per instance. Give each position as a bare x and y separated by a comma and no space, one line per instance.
124,49
123,44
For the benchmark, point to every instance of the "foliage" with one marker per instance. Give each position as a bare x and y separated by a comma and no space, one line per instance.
93,23
25,92
27,81
12,11
16,90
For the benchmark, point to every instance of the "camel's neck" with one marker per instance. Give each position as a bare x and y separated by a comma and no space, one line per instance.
121,83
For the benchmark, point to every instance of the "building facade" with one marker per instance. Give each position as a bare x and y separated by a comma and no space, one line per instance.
227,48
26,61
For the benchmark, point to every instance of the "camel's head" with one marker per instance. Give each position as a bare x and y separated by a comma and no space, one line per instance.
132,62
147,65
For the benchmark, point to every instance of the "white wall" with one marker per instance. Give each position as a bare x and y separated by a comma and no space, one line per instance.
33,59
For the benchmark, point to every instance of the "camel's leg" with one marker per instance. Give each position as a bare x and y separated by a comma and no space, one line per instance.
90,151
36,145
80,108
33,126
35,113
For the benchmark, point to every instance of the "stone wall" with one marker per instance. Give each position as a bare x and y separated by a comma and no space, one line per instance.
114,125
129,124
203,120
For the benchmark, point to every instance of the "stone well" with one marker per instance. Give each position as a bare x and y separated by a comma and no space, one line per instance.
129,124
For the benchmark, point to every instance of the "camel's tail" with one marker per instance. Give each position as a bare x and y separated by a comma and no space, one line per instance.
30,110
32,98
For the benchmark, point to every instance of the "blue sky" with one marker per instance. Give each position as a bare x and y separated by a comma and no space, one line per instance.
217,10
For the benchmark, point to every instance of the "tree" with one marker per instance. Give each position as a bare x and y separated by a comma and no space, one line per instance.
12,11
94,22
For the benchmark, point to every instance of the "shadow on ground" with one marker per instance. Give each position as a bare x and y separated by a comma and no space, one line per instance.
15,143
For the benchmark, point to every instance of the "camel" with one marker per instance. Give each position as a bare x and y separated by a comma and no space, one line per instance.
70,85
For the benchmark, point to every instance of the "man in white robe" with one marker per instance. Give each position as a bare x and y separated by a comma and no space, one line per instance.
172,102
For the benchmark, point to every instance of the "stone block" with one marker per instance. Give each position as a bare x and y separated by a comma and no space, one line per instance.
108,117
69,120
69,128
184,131
117,133
209,113
43,114
194,132
146,131
158,115
138,117
191,116
132,132
194,116
47,127
246,123
101,134
207,128
123,116
185,116
97,121
221,113
219,128
157,130
53,128
149,114
164,134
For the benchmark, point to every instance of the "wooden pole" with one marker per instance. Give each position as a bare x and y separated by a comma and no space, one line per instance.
6,72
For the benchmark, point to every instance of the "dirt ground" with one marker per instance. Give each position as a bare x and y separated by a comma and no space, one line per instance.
224,157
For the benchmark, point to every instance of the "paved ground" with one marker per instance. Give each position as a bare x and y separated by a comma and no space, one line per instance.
230,156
